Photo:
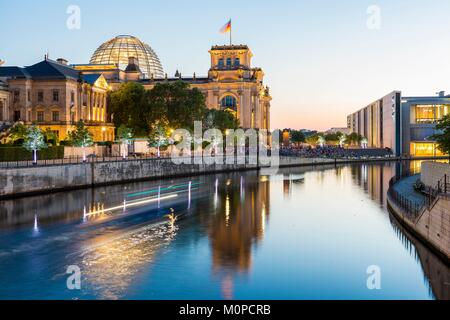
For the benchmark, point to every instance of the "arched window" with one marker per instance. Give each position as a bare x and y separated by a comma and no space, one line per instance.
229,102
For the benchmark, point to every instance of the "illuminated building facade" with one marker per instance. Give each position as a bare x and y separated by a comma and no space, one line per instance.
231,84
53,95
403,124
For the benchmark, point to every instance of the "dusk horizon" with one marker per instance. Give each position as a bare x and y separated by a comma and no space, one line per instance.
315,62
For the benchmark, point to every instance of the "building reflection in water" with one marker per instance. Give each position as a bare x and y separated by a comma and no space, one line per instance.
110,266
238,227
375,180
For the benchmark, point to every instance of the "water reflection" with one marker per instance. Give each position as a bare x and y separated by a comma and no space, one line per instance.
149,238
238,226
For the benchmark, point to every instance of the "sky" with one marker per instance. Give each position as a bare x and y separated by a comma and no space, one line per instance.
323,59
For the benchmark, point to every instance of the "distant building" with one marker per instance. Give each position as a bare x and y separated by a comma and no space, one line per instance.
53,95
345,131
4,103
403,124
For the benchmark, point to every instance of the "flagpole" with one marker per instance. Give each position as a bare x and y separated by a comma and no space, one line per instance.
231,28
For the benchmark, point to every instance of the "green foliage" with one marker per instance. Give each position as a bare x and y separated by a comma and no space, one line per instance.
81,137
297,137
353,139
443,136
128,106
174,104
50,136
159,135
11,153
34,139
18,133
125,134
220,119
314,139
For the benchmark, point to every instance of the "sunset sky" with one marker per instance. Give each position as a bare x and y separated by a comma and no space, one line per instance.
321,60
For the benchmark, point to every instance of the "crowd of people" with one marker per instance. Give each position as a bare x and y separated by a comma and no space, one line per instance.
331,152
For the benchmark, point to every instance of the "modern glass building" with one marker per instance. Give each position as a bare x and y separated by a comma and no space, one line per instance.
121,48
403,124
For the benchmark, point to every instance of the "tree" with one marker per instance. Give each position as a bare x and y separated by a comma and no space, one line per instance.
81,137
17,133
220,119
316,139
176,104
297,137
353,139
125,136
129,107
443,136
50,136
159,136
34,141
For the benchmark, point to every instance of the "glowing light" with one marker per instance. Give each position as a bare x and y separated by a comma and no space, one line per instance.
189,195
36,226
216,193
133,204
227,211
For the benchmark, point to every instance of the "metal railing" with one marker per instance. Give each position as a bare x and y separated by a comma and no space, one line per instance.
443,186
238,159
411,208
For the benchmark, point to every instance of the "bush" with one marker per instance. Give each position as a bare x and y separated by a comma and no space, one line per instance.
104,143
419,186
11,153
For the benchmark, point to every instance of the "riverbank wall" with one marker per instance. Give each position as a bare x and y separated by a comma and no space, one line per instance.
42,179
430,224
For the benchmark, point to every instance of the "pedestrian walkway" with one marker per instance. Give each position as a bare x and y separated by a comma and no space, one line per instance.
405,187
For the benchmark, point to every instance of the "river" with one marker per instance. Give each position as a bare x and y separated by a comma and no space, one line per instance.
302,233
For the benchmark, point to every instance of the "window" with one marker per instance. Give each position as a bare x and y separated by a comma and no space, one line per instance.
229,62
55,116
17,115
237,62
72,97
220,63
16,96
40,116
1,110
40,96
29,96
229,102
55,95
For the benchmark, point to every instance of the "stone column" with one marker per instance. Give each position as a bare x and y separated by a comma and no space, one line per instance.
258,112
88,105
104,108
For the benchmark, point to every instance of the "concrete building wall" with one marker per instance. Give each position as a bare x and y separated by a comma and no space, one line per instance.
432,172
376,122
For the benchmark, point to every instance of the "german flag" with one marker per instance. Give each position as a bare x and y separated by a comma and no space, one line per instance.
226,28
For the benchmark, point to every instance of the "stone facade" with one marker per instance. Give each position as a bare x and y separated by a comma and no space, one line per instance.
232,83
4,103
433,172
57,99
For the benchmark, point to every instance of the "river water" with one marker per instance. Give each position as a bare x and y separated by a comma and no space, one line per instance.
302,233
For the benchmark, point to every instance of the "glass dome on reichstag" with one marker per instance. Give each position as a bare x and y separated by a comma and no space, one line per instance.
119,49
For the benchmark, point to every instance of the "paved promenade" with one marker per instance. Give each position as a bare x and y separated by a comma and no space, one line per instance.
405,187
